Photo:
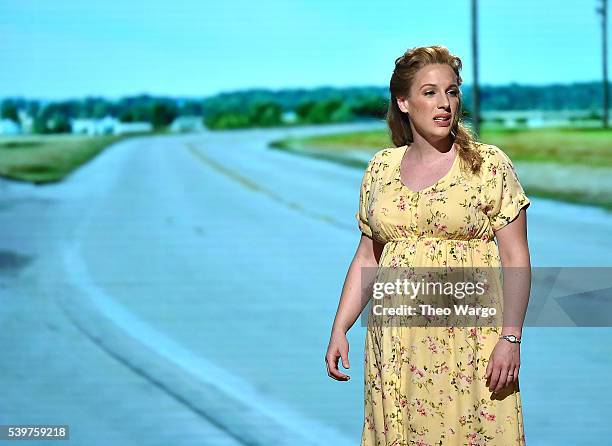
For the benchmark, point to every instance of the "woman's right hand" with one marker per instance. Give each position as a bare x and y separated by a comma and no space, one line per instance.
338,348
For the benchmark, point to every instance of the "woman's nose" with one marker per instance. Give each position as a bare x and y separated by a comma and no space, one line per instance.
444,103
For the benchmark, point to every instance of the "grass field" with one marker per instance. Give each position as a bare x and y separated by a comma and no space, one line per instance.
588,147
48,158
569,164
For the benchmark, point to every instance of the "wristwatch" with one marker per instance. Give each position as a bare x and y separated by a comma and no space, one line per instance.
511,338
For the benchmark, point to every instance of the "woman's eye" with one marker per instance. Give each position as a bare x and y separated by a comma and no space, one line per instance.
454,92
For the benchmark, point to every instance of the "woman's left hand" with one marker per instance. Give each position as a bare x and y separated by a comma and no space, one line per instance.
503,367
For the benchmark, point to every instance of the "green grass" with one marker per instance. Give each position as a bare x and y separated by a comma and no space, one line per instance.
588,146
575,197
48,158
358,140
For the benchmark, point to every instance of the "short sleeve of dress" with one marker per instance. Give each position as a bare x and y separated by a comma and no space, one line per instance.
364,199
505,193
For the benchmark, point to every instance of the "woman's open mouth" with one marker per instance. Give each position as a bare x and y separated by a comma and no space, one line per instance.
442,120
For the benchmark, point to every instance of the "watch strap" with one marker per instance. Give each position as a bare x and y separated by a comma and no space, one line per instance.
511,338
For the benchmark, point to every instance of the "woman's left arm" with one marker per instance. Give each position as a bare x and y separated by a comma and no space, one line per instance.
504,363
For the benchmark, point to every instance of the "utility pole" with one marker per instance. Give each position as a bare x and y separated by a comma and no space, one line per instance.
603,11
475,90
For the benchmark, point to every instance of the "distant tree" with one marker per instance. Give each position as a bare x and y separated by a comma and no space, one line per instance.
127,116
33,108
101,109
86,109
593,114
325,110
135,112
39,125
163,114
304,109
344,113
318,112
55,117
58,123
372,106
191,108
9,111
226,120
265,114
521,120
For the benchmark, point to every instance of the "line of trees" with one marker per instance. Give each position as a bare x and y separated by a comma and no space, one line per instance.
56,117
261,108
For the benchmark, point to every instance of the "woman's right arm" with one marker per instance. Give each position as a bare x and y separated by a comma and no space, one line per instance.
351,305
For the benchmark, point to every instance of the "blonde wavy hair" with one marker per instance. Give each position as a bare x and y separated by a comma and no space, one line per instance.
406,67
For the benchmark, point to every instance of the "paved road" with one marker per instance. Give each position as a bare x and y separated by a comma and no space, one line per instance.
181,289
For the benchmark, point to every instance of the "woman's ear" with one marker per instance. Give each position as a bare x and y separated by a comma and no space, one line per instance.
402,103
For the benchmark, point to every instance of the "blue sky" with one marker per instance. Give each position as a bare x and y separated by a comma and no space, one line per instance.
62,49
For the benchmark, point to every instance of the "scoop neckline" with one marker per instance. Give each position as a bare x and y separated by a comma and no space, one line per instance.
441,180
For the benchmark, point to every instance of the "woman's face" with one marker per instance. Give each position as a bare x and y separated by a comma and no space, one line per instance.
434,93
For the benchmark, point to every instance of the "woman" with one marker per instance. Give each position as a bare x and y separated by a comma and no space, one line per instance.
437,199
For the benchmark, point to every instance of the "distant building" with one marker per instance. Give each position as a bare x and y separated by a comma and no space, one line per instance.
83,126
108,126
27,122
537,121
289,117
533,118
123,128
184,124
90,126
9,127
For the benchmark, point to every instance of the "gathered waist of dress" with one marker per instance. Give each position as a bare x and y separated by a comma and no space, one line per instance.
429,238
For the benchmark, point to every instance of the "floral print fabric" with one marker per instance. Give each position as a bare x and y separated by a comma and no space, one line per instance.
426,385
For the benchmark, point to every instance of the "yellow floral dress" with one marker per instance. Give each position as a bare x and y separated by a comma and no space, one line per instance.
426,385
